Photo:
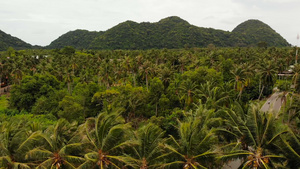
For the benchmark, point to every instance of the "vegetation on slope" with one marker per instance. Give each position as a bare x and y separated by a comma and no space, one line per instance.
171,33
7,41
255,31
80,39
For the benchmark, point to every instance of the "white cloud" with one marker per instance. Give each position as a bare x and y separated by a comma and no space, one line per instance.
42,21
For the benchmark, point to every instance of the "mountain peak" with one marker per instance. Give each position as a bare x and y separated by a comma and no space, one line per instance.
173,20
251,24
255,31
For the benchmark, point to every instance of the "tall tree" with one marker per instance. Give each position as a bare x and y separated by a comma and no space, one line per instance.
193,147
148,152
255,134
58,149
106,136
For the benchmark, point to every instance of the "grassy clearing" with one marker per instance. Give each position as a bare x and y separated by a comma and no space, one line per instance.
3,102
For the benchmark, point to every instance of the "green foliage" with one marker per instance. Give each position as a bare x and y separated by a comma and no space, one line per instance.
71,110
256,32
257,133
155,92
50,104
106,134
32,88
146,153
147,108
7,41
194,146
3,102
79,39
283,85
171,33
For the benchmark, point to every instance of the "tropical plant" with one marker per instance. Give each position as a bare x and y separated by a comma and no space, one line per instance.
194,145
16,140
106,135
56,149
188,91
148,152
255,134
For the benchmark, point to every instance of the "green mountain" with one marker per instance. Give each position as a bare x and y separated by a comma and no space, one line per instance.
255,31
7,41
171,32
79,39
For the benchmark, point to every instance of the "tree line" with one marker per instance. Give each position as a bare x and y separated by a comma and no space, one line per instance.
183,108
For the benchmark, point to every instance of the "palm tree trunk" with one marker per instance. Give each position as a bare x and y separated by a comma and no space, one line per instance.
0,84
69,88
261,92
147,80
156,108
259,87
241,91
134,83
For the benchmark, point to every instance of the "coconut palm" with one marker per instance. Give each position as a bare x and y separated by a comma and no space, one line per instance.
188,91
195,142
148,152
16,140
106,137
295,79
292,111
291,149
256,134
213,95
17,69
267,71
240,78
146,71
57,149
165,75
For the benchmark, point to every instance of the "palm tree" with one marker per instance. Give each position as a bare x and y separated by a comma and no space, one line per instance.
57,147
106,137
296,71
256,134
69,79
291,149
267,71
165,76
213,95
148,152
146,71
292,111
16,140
240,78
194,146
188,91
17,69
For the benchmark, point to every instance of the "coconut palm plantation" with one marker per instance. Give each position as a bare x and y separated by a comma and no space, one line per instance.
191,108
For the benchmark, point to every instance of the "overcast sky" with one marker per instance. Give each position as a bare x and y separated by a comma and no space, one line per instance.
39,22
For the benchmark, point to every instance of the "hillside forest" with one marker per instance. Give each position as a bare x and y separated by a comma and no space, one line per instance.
171,33
186,108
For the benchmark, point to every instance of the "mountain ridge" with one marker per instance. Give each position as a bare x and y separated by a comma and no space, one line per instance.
170,32
7,40
174,32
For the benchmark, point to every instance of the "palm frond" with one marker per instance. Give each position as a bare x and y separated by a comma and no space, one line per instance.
38,154
173,150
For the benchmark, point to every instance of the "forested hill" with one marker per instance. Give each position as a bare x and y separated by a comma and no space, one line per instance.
254,31
81,39
7,41
171,32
